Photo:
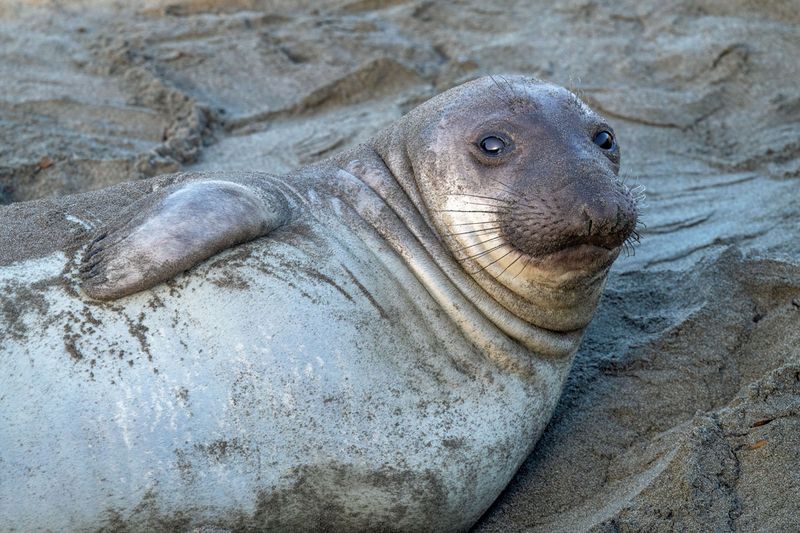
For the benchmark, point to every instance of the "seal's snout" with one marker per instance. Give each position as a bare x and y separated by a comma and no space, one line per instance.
596,221
606,221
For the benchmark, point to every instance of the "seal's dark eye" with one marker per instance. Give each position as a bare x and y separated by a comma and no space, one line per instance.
604,140
492,145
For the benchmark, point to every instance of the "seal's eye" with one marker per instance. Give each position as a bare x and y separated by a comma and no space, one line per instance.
604,140
492,145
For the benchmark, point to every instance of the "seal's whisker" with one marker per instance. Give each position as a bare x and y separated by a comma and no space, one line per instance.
510,87
527,260
480,243
533,215
484,267
473,223
519,255
479,196
467,211
508,187
516,104
503,90
638,195
630,246
532,208
485,205
475,231
490,250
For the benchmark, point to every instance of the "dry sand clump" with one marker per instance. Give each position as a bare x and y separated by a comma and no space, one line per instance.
683,409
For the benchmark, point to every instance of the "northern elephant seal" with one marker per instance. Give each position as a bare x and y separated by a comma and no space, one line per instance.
383,358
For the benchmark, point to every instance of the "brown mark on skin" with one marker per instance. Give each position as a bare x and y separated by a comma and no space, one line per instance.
70,346
148,516
366,293
333,497
221,449
315,274
185,468
327,507
230,281
138,330
182,393
155,302
19,299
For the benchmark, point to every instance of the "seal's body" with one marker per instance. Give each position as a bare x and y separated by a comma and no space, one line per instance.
383,358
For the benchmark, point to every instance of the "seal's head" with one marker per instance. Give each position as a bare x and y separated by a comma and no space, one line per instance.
519,178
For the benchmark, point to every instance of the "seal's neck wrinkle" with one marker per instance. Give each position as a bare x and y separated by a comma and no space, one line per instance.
392,151
503,336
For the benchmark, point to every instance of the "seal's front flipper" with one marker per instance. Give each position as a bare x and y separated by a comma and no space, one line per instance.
168,232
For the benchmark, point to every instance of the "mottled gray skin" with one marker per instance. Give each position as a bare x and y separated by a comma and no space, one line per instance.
383,358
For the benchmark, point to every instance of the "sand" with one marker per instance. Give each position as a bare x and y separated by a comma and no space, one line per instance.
682,411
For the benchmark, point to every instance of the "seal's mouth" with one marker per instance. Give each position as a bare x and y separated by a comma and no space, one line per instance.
584,257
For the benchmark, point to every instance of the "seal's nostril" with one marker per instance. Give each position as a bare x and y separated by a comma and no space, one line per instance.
604,221
588,218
